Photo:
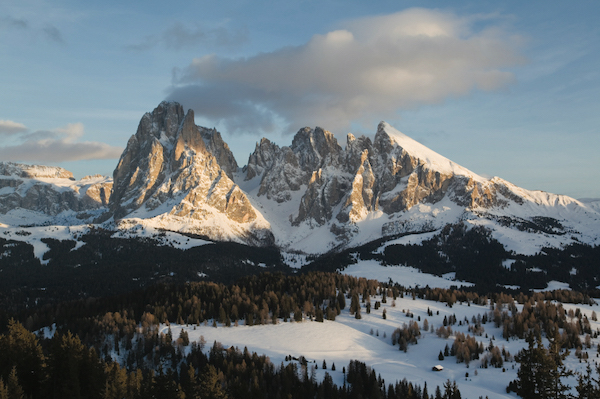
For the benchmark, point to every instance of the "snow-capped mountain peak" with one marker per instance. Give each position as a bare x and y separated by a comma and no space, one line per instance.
430,158
312,196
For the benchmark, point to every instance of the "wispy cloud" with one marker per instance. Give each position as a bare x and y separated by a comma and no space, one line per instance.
369,70
8,22
57,145
9,128
53,34
180,36
50,32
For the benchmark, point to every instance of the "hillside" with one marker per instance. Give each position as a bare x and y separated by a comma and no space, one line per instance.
312,197
319,327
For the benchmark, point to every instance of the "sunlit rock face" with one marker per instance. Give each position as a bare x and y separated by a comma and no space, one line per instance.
171,167
312,196
347,184
50,190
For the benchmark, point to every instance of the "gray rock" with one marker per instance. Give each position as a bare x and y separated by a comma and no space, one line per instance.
49,190
171,160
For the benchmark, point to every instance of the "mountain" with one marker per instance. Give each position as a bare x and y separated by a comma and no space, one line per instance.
33,194
176,175
311,197
334,197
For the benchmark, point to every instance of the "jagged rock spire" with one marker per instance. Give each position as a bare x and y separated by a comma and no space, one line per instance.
172,168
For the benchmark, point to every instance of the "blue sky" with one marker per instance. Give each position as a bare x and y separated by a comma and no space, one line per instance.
509,89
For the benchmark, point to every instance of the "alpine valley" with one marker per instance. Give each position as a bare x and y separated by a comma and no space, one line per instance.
179,207
112,287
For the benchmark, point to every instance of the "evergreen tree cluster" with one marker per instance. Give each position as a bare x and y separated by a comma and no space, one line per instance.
263,299
541,371
542,317
466,348
127,325
107,266
62,367
456,248
469,250
407,334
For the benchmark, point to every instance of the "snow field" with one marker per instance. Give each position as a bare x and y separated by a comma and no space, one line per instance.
347,338
405,275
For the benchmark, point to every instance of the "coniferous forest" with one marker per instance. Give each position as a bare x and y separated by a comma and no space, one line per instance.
111,294
106,266
76,360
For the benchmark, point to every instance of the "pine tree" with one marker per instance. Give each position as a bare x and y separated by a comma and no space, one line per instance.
319,314
354,304
164,386
20,349
451,390
64,363
116,384
135,381
15,391
189,383
541,371
557,369
526,382
341,300
3,390
438,393
92,374
183,336
357,314
210,385
585,387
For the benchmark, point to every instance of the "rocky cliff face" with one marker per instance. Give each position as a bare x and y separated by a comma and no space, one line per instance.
385,186
171,160
312,196
180,173
50,190
367,176
34,171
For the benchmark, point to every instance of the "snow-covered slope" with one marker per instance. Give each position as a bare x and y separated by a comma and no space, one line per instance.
318,196
369,340
170,176
311,197
33,194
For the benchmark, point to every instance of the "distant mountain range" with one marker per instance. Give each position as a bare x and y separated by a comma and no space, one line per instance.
312,197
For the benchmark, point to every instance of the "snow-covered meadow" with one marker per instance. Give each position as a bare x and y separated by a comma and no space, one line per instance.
369,340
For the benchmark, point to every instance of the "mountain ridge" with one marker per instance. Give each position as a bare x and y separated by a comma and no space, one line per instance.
313,196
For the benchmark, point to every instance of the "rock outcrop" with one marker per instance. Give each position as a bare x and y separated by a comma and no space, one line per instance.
312,196
173,169
348,184
50,190
34,171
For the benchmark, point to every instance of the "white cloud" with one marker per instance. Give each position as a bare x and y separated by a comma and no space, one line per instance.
57,145
9,127
367,71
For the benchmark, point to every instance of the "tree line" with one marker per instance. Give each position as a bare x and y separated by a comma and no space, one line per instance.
62,367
